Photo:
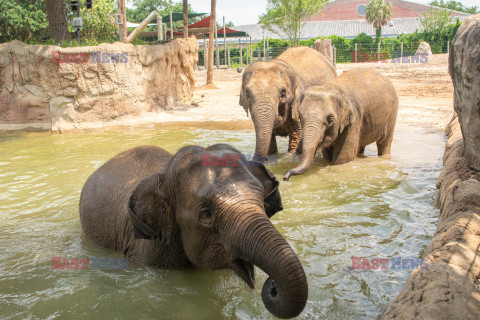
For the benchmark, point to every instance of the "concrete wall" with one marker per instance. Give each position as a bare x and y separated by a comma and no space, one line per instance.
53,88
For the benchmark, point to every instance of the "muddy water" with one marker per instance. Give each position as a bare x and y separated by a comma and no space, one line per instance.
373,207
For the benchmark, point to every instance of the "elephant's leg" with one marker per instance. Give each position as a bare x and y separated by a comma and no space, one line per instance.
273,145
384,144
361,150
295,137
345,148
328,153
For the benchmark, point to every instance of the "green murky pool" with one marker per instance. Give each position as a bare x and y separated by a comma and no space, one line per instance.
372,208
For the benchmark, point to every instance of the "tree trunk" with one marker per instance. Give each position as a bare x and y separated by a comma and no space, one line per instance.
57,20
211,44
185,19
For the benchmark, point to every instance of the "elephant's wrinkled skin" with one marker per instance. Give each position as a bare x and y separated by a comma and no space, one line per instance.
271,93
174,211
342,117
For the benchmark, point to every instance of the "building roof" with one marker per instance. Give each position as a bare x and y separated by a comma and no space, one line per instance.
348,29
349,10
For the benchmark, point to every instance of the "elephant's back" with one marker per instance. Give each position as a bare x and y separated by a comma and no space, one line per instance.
311,64
104,197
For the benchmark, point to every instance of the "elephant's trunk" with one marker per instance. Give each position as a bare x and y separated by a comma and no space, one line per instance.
312,135
256,240
263,118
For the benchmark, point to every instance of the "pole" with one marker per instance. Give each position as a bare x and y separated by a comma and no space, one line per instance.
123,11
142,26
159,27
228,57
224,39
448,46
240,49
401,50
185,19
216,45
171,26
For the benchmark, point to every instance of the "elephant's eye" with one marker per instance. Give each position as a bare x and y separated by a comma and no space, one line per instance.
206,215
283,94
248,93
330,119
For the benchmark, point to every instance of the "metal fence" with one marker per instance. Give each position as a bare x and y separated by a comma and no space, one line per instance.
233,57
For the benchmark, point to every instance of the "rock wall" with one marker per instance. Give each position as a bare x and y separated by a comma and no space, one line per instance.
55,88
449,288
464,68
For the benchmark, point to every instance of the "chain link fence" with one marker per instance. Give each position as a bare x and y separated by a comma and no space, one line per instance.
233,57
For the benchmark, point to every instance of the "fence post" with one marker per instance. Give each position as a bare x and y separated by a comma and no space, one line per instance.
401,49
448,46
228,54
240,49
268,49
356,52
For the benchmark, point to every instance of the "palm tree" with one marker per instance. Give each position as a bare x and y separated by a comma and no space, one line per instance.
378,12
211,33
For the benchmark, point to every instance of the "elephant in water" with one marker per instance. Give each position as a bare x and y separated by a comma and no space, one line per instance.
271,93
343,116
200,207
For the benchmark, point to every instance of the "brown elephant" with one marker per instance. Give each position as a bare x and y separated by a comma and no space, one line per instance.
343,116
271,93
186,210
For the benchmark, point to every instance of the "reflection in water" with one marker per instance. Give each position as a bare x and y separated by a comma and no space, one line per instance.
372,207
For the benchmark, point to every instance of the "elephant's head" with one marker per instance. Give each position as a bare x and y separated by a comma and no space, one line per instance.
270,92
324,112
218,207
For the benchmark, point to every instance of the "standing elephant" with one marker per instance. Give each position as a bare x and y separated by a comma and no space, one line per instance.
342,117
271,93
199,207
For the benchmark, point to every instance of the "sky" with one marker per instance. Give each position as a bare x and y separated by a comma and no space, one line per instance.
247,11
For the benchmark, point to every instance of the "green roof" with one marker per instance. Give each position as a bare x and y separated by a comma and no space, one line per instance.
178,16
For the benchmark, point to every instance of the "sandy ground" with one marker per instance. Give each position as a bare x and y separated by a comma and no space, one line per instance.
425,91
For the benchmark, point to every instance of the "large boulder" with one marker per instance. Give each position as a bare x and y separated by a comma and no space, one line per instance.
464,68
423,49
60,89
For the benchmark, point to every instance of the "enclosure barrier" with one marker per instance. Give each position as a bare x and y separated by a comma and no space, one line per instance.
393,51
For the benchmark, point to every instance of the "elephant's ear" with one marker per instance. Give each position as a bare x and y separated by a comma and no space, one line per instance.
149,210
272,198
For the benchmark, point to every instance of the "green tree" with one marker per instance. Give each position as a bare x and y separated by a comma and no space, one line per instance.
436,21
455,5
96,21
142,8
22,20
286,17
377,13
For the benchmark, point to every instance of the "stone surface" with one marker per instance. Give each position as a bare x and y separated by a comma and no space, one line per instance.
424,48
449,287
68,88
464,68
